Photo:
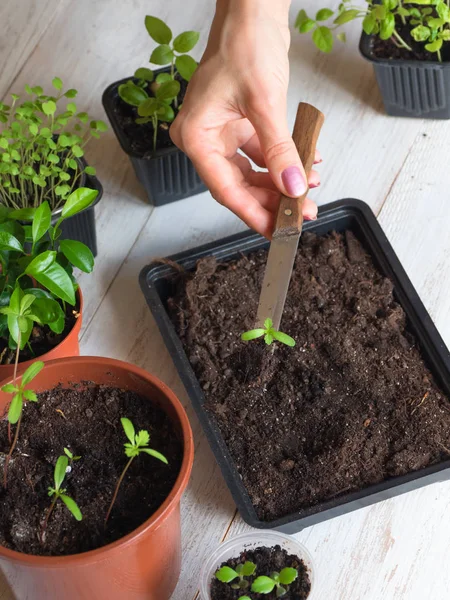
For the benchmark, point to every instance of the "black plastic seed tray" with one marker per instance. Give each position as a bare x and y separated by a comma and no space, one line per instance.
354,215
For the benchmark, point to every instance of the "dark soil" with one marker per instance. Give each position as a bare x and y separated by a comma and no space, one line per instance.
386,49
140,137
88,423
42,339
267,561
351,405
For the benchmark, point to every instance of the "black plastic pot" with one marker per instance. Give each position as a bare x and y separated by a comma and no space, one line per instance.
343,215
411,88
166,174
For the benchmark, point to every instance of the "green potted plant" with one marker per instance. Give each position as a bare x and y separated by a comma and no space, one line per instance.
40,302
407,43
42,156
91,501
141,108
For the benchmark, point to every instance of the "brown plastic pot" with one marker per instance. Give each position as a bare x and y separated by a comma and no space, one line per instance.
68,347
145,564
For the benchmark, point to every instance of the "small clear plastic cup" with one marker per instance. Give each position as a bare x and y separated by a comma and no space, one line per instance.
249,541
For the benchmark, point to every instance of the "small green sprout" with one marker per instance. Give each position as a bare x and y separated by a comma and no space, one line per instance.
269,333
265,585
59,493
138,443
244,598
227,575
70,456
20,394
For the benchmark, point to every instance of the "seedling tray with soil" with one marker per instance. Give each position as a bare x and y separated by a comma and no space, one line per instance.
86,420
357,412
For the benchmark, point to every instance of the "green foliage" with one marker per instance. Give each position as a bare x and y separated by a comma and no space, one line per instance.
20,394
49,264
156,100
39,148
228,575
280,581
269,333
428,22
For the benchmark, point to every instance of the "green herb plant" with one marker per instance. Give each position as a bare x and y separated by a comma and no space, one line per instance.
138,444
36,284
156,98
269,333
38,148
278,581
59,493
15,410
228,575
70,456
427,20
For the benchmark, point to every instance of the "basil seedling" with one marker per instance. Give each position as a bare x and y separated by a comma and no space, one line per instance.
269,333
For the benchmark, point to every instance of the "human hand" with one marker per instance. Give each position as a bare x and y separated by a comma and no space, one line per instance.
237,100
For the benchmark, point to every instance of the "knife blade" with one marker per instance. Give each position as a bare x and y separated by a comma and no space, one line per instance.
289,223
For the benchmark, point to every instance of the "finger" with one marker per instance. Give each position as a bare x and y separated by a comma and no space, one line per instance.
318,158
314,179
252,149
309,210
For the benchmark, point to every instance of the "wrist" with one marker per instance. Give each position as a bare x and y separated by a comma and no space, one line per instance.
276,9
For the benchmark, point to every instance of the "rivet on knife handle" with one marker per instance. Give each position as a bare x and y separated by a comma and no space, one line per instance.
308,124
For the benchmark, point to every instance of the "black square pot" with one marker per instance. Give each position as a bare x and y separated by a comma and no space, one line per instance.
166,174
411,88
157,285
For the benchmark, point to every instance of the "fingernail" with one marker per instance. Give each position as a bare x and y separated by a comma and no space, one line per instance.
307,218
293,181
314,185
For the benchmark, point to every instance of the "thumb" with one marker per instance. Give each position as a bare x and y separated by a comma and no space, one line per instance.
279,151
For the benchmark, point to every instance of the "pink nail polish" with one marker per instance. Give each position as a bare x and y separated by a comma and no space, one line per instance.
293,181
307,218
314,185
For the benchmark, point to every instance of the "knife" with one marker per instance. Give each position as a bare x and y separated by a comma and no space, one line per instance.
289,223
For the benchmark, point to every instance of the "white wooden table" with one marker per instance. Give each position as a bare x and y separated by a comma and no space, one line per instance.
396,550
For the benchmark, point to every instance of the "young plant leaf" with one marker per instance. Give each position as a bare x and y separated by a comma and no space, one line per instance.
56,279
30,395
132,94
9,242
252,335
226,574
323,39
248,568
288,575
72,506
128,427
283,338
33,370
168,90
185,41
60,471
78,200
40,263
324,14
186,66
78,254
158,30
263,585
155,454
162,55
15,408
145,74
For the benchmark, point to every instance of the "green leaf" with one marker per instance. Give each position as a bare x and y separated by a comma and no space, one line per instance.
90,170
323,39
186,66
33,370
185,41
71,93
26,302
166,113
302,16
60,471
132,94
283,338
324,14
49,108
162,55
268,323
58,282
252,335
15,409
57,83
369,23
248,568
9,388
144,73
162,77
434,46
41,221
78,200
346,16
244,598
420,33
148,108
263,585
155,454
306,25
443,11
387,26
128,427
14,302
9,242
68,453
288,575
22,214
72,506
41,263
168,90
78,254
342,37
226,574
268,338
158,30
30,395
142,438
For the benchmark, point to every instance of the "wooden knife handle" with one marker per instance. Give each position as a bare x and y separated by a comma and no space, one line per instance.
308,123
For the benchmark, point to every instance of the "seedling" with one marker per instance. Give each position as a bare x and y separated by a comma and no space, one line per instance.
138,443
159,104
228,575
428,24
58,493
20,395
71,457
265,585
269,333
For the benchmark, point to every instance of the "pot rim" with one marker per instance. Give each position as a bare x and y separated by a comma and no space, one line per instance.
163,511
75,330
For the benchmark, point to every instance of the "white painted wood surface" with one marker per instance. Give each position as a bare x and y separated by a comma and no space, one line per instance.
397,550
